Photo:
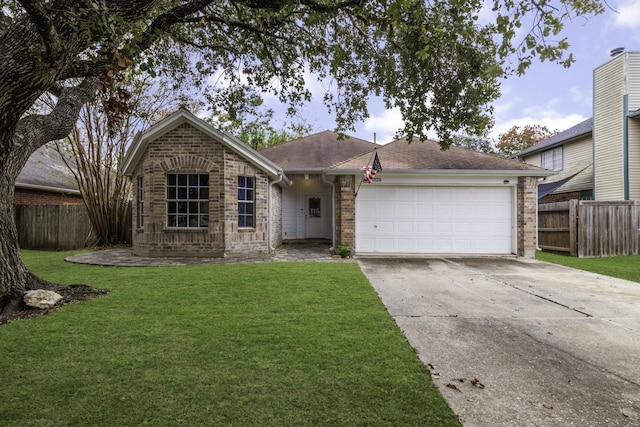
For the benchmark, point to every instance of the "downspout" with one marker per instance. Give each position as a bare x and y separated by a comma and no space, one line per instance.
269,208
333,211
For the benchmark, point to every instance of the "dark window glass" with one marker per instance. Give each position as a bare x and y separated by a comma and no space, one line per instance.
246,201
188,197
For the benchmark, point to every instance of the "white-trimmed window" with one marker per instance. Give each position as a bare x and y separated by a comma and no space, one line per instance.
553,159
246,201
187,200
140,202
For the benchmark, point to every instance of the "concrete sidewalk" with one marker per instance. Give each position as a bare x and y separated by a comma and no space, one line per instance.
518,342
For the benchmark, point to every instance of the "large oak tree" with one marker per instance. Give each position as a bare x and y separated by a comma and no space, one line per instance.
434,60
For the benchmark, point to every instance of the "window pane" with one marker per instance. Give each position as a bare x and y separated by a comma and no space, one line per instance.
193,220
249,208
182,220
241,208
250,195
182,179
193,193
182,193
171,179
193,207
242,194
250,182
204,207
172,207
182,207
171,221
204,193
249,221
204,221
204,180
242,181
171,193
193,180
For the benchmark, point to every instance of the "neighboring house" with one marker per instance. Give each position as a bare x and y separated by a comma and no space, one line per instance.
46,180
600,157
201,192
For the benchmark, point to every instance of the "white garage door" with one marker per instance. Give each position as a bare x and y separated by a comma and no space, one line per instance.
438,220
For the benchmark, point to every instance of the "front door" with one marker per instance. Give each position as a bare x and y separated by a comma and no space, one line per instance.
314,220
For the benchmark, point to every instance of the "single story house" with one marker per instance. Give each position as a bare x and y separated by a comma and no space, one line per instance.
46,180
202,192
598,158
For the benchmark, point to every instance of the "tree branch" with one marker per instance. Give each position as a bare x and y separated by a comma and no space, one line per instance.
36,130
41,17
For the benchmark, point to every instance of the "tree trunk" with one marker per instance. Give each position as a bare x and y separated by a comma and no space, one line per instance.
14,276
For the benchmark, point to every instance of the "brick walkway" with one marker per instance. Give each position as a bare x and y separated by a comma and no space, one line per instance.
307,251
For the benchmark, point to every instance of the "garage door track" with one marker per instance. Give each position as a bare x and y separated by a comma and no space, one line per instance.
512,341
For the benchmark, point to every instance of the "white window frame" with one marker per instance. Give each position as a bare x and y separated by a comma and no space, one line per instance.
553,159
187,200
246,202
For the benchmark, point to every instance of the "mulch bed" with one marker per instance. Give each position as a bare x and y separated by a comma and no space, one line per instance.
70,294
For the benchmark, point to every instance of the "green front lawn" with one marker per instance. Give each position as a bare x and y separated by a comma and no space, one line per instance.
240,344
623,267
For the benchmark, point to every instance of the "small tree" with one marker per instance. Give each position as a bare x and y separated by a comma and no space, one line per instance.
515,139
97,145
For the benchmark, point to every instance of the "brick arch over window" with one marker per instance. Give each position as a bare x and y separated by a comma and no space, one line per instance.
188,162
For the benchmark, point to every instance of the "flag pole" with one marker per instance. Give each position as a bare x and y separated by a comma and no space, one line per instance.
372,155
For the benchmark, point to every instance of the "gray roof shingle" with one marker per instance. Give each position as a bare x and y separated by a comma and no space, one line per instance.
316,152
581,129
400,155
45,169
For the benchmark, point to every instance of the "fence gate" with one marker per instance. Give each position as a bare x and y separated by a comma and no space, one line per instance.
557,227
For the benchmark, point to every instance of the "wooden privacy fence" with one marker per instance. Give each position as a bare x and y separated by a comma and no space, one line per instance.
589,228
53,227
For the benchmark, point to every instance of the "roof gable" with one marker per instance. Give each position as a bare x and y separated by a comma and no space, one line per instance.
427,157
182,116
316,152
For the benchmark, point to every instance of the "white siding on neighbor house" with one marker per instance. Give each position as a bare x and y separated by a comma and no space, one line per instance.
293,207
608,129
633,80
577,156
633,88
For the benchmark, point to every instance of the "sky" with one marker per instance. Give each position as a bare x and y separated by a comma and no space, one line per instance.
547,94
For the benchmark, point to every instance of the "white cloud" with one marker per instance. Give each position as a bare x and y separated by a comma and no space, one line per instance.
628,14
384,126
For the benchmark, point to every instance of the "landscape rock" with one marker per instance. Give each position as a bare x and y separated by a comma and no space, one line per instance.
41,298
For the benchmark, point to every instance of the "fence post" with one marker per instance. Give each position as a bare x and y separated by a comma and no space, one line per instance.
573,227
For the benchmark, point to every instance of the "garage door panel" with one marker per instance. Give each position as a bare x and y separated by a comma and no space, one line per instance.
434,220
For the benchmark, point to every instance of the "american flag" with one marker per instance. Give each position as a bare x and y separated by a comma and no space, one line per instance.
371,171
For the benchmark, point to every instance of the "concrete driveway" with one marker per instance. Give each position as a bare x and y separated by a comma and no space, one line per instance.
518,342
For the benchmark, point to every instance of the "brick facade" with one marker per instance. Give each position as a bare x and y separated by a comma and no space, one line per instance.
187,150
345,211
23,196
527,216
